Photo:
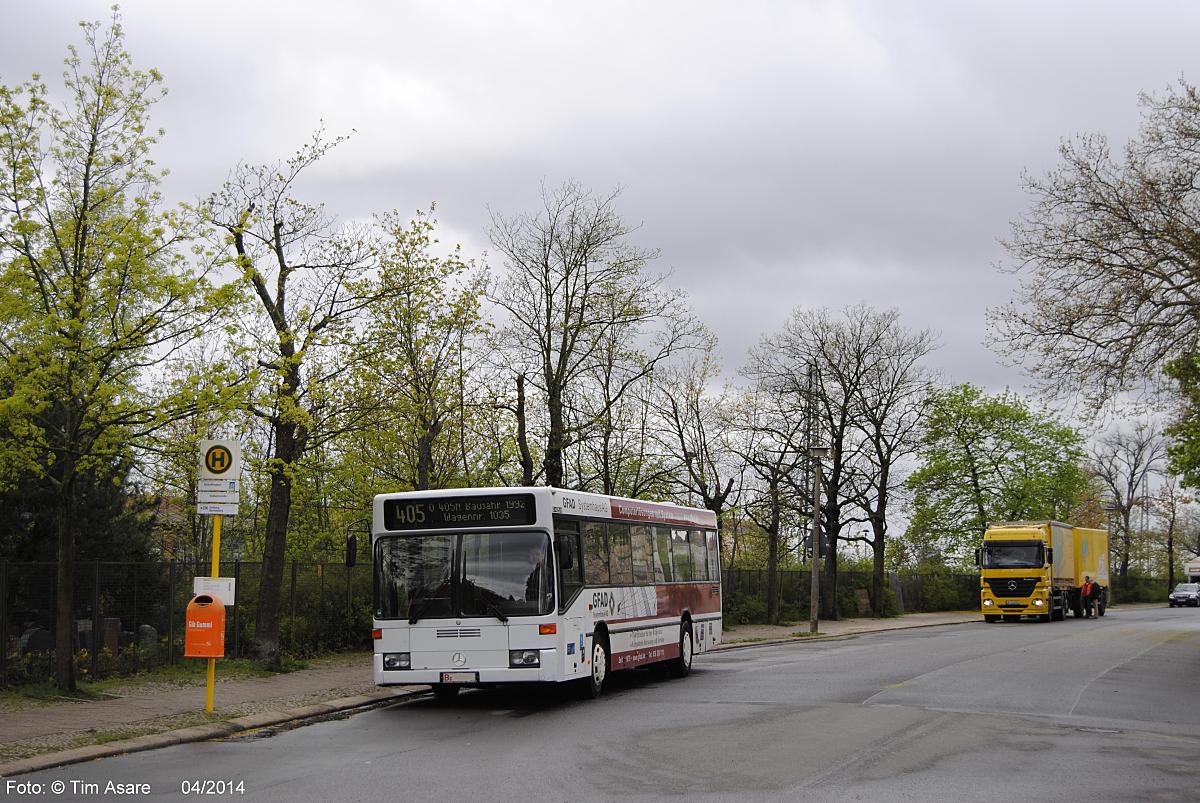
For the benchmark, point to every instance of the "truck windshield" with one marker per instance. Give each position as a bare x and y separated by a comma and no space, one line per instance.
475,574
1014,555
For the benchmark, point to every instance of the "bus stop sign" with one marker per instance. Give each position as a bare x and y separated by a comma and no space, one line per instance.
220,460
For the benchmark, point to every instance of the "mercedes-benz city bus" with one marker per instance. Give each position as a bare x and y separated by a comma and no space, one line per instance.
515,585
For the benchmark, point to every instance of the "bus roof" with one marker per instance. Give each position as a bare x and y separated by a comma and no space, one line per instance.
581,503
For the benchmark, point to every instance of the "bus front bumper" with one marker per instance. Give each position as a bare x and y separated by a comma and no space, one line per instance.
467,675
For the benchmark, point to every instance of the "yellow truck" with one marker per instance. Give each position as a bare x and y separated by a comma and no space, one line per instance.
1036,568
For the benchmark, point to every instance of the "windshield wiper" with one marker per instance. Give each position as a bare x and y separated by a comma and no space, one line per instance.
417,609
494,611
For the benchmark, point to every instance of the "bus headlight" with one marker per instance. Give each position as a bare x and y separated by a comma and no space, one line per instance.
519,658
397,660
1037,603
987,603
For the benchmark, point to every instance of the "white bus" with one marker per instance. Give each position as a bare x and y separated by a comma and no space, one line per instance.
515,585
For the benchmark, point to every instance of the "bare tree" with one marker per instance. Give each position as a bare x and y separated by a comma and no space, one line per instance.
845,352
1170,505
890,408
310,278
1123,461
696,427
1108,255
574,283
772,446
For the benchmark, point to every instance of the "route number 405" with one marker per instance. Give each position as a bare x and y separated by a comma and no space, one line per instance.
413,513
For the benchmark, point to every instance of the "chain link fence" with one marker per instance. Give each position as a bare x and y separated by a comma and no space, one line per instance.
129,616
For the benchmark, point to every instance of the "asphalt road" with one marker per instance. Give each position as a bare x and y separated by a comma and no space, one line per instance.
1083,710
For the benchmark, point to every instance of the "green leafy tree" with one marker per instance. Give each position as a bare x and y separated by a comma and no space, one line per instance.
989,458
1183,452
420,385
95,291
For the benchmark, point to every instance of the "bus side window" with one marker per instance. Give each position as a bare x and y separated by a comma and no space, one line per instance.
699,555
620,564
714,556
662,555
595,554
681,555
642,538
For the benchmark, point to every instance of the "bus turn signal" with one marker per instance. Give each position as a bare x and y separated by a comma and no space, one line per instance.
547,630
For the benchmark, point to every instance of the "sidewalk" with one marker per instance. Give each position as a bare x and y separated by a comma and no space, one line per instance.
743,635
35,736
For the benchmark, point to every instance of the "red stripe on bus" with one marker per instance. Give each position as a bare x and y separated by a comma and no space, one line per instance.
644,655
632,510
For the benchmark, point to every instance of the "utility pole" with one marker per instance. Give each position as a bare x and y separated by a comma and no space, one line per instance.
814,604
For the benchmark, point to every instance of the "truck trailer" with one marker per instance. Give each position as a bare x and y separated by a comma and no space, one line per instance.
1036,568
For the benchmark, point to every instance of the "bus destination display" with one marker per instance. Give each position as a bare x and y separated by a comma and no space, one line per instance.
436,513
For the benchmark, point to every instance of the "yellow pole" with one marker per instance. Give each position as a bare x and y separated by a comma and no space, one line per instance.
216,572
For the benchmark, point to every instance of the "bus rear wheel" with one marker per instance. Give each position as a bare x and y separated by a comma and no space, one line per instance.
681,667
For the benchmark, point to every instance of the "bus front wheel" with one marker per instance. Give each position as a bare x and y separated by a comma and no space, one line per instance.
595,681
681,667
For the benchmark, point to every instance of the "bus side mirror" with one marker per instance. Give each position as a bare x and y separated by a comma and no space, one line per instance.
1050,556
563,547
351,550
978,556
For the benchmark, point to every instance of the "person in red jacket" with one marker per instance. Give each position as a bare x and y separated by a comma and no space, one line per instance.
1087,593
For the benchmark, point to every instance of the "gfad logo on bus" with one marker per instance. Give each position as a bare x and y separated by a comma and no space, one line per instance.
605,603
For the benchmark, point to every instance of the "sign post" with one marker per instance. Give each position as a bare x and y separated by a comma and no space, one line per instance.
220,466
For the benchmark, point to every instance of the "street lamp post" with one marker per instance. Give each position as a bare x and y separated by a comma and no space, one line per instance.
814,604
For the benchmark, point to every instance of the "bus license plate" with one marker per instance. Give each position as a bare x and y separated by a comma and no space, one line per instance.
460,677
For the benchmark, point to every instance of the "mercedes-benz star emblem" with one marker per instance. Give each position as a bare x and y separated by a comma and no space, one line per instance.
1012,585
458,659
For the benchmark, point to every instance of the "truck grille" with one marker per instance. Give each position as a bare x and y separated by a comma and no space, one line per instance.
1012,586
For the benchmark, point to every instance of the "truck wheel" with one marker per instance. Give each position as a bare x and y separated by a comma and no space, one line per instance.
1056,609
991,617
1100,606
1077,609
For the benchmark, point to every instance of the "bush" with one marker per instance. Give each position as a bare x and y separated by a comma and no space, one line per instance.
743,610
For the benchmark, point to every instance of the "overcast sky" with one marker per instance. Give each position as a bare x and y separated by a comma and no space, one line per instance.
779,154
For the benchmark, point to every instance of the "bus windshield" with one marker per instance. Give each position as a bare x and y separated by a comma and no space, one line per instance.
1013,555
474,574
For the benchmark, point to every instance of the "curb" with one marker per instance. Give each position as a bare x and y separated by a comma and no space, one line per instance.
199,733
831,636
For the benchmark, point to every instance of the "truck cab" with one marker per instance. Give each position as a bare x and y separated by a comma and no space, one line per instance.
1035,568
1015,577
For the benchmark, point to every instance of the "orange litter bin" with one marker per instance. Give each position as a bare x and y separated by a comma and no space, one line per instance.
204,628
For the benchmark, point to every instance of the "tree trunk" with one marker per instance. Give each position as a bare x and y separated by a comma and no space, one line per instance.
877,575
523,435
64,636
425,454
773,577
266,646
555,440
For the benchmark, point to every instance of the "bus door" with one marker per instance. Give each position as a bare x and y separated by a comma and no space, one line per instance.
570,583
